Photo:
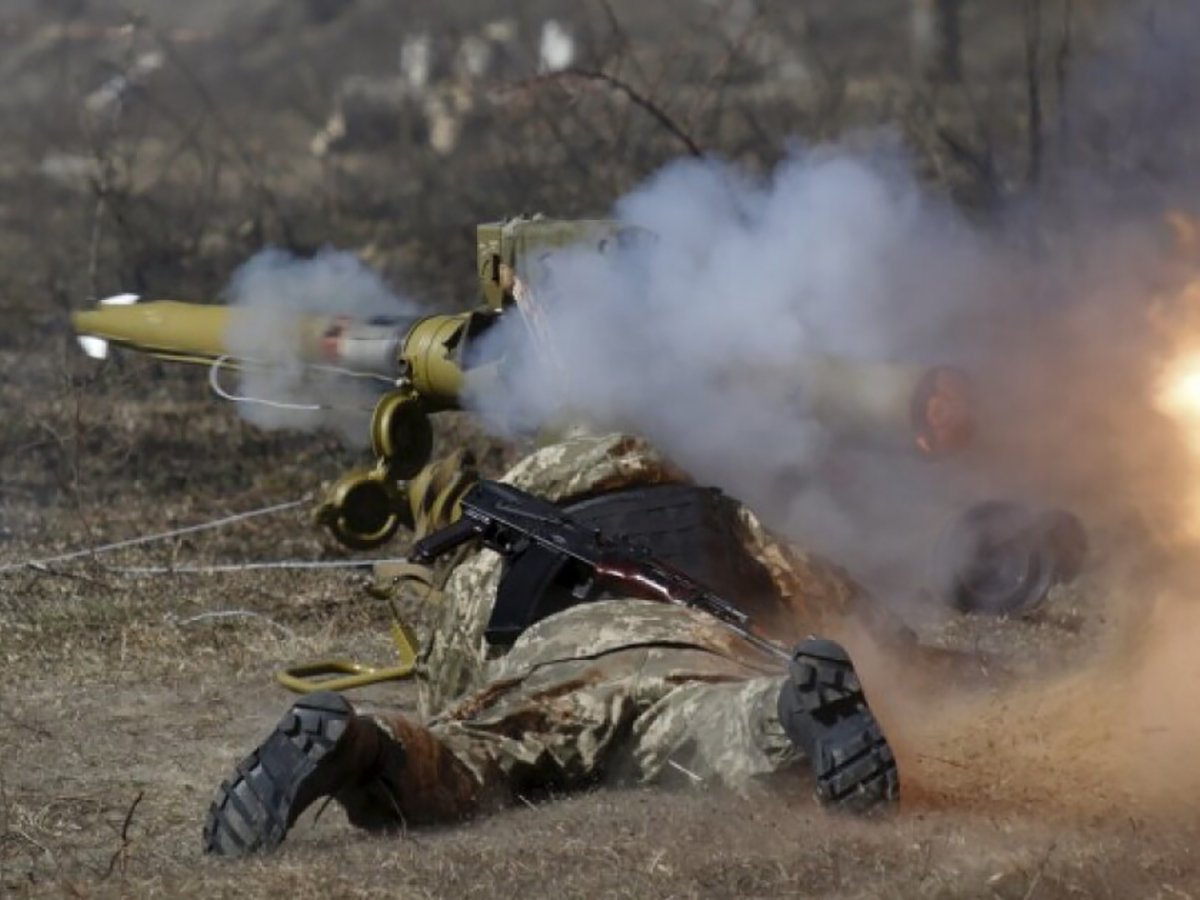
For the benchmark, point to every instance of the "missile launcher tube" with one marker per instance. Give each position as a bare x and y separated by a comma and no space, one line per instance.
883,404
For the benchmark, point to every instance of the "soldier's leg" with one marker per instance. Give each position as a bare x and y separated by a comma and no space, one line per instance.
814,721
560,712
556,726
319,748
641,712
552,727
622,689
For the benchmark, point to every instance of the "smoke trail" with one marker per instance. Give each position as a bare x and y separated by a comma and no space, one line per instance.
706,336
268,293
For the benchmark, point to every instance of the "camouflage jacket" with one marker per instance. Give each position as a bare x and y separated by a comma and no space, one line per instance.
455,655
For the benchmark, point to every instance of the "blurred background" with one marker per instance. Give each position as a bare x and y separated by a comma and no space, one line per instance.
153,148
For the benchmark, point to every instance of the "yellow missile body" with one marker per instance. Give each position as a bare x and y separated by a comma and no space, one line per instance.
185,332
430,353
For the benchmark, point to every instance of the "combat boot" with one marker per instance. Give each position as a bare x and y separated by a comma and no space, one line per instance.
824,712
319,748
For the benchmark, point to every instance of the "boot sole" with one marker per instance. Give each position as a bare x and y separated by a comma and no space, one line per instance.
854,767
254,808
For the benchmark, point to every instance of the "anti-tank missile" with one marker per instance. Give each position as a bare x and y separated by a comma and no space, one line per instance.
184,332
427,360
427,353
922,407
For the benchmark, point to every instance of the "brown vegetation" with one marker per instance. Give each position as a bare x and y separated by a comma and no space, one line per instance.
122,702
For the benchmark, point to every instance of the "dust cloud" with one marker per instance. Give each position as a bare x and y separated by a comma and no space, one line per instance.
1105,309
715,336
1113,738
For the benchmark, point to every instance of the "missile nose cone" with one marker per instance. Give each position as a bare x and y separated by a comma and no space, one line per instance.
89,321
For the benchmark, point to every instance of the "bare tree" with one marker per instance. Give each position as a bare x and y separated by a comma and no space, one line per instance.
937,39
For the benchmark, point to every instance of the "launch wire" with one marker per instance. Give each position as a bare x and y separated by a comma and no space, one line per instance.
214,382
159,536
222,362
257,565
335,674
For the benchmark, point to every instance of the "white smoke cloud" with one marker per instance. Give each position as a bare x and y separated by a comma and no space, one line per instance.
267,294
704,336
709,337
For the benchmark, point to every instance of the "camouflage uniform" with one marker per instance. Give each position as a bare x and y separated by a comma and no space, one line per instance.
617,690
454,661
626,689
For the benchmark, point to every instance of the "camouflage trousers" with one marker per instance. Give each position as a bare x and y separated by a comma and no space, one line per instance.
618,691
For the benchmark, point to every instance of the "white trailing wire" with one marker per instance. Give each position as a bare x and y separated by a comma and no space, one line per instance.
258,565
228,614
221,362
151,538
214,382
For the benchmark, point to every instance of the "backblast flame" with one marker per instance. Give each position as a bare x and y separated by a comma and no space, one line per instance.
1178,397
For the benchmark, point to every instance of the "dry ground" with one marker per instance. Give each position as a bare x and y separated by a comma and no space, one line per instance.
119,716
120,709
120,712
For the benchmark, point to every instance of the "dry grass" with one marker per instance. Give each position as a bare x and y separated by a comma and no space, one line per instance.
108,697
118,715
81,752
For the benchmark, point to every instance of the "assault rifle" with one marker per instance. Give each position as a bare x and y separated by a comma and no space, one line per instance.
514,522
